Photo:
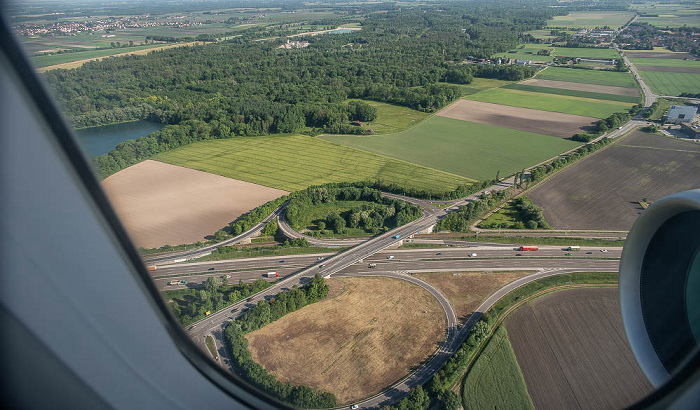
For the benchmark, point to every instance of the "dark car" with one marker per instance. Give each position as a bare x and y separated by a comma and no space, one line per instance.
518,254
320,266
439,253
281,261
210,269
589,253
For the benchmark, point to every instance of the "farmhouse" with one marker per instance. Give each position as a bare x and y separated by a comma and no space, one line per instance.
681,113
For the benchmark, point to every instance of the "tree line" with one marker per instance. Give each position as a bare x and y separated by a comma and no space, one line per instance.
461,220
529,216
259,316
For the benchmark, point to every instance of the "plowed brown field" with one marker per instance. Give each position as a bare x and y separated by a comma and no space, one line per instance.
601,191
572,349
523,119
658,54
162,204
366,335
566,85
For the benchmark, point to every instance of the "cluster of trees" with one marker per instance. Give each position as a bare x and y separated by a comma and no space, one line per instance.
461,220
436,392
257,215
615,120
257,317
191,305
459,192
652,110
242,87
380,215
529,216
541,171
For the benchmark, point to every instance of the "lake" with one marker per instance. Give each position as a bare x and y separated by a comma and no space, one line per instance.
100,140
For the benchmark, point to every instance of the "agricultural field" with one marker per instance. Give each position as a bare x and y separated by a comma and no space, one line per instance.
527,52
393,118
523,119
583,52
668,15
505,218
602,190
545,34
692,66
463,148
669,83
54,59
480,84
495,380
575,90
366,335
100,54
609,78
298,161
549,102
161,204
591,19
572,350
467,290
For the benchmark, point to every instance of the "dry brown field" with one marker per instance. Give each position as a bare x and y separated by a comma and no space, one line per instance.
600,192
162,204
652,54
572,349
368,334
523,119
690,70
466,290
76,64
566,85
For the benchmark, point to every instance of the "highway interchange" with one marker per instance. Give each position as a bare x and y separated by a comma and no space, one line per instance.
355,262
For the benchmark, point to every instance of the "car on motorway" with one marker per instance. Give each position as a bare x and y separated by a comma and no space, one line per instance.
390,257
603,250
439,253
589,253
518,254
354,406
471,255
282,261
319,258
320,266
568,254
211,268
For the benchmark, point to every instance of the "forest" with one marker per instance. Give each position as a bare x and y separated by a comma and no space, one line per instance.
246,87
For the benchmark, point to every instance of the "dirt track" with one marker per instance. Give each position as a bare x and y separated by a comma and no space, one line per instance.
523,119
601,191
591,88
162,204
572,349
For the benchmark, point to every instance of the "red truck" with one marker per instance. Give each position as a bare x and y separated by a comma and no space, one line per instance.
528,248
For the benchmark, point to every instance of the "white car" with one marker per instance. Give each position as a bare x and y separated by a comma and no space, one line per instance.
354,407
603,250
471,255
390,257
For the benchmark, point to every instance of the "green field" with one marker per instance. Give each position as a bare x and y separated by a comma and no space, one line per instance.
495,381
526,52
588,76
393,118
591,19
505,218
296,162
464,148
605,53
665,62
44,61
664,83
573,93
480,84
550,102
541,34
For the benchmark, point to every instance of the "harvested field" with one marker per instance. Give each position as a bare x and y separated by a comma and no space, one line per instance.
366,335
690,70
161,204
656,54
602,190
567,85
523,119
572,349
466,290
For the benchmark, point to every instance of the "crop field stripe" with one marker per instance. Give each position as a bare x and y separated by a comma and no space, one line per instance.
575,75
549,102
666,83
295,162
664,62
584,52
656,148
573,93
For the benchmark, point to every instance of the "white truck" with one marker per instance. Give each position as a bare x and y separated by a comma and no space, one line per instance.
272,274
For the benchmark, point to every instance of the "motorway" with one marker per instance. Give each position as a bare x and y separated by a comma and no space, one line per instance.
355,262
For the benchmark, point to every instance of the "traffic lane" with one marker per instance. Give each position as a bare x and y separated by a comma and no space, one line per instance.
237,264
479,265
390,256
